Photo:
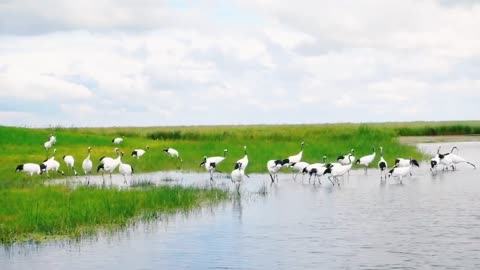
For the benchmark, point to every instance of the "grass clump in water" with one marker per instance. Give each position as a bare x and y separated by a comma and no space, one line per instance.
142,184
52,211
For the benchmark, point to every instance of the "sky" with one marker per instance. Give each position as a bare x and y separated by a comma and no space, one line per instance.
171,63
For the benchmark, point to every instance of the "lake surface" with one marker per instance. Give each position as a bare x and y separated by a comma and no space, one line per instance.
428,222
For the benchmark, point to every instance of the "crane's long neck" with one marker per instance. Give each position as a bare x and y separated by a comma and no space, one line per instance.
53,154
350,161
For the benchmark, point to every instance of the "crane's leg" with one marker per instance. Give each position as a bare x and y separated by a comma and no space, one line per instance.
330,178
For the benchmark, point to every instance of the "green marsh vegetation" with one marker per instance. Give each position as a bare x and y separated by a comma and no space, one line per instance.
59,211
29,208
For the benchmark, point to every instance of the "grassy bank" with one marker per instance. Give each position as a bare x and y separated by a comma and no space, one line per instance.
21,145
57,211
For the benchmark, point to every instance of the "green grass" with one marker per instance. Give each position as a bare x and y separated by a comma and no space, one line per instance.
20,145
53,211
31,209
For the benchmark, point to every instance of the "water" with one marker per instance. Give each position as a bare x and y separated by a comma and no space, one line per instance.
426,222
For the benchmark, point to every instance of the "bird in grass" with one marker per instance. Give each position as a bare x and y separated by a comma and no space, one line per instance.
295,158
140,152
211,163
366,160
172,153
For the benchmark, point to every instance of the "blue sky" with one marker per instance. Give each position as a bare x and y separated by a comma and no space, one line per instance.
147,63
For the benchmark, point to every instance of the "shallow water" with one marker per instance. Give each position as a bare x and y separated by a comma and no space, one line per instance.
426,222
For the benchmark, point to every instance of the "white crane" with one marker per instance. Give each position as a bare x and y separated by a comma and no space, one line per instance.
400,172
403,162
316,170
211,163
366,160
139,152
299,167
337,169
347,159
243,162
109,159
295,158
117,140
273,166
53,165
47,145
31,168
446,160
52,139
70,162
382,165
87,166
451,159
237,176
109,165
172,153
434,162
125,169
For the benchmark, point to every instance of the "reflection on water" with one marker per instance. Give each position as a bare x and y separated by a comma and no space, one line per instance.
428,222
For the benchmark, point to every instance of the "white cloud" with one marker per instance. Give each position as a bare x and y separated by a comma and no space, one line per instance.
40,87
159,63
344,101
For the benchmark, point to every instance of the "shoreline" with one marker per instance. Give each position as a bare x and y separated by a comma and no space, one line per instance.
413,140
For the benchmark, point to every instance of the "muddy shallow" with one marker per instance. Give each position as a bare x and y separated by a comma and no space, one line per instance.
426,222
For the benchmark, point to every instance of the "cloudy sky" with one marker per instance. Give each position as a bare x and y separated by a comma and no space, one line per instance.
149,62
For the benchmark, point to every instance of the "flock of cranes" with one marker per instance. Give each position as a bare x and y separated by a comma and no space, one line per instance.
106,164
401,168
447,160
334,170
